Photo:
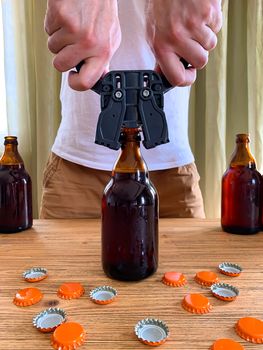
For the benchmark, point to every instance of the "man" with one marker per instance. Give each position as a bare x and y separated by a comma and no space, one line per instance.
111,34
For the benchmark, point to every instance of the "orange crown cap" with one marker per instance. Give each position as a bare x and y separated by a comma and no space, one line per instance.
49,319
196,303
27,297
103,295
206,278
71,290
35,274
250,329
226,344
68,336
224,291
230,269
151,331
174,279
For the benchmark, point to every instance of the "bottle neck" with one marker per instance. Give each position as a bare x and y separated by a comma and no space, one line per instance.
130,159
242,155
11,155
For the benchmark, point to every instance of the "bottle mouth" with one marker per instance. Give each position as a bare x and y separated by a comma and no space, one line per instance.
131,130
242,138
10,139
130,134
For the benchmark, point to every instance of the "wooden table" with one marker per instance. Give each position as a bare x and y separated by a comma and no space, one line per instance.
70,250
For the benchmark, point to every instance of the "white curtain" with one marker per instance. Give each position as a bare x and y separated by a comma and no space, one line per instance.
32,86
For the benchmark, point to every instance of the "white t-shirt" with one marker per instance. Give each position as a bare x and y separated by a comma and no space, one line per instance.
80,110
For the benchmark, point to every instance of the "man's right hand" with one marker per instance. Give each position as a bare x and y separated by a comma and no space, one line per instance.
82,30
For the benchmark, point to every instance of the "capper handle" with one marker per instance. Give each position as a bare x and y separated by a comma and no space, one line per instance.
167,86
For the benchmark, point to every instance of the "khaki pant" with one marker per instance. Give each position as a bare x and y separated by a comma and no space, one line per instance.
74,191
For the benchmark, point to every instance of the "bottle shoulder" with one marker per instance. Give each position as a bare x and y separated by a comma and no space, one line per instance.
13,173
242,172
11,157
130,187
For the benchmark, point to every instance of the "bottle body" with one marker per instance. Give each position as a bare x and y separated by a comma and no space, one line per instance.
262,203
15,195
129,223
241,199
241,192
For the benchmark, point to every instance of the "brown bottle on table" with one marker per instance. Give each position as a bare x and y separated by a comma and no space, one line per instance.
241,191
15,190
262,203
130,215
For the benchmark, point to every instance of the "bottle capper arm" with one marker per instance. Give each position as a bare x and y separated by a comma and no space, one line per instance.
132,99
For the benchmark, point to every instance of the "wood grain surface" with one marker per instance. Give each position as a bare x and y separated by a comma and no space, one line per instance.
70,250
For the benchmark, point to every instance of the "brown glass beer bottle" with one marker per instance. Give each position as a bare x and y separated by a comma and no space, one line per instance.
241,191
262,203
130,215
15,190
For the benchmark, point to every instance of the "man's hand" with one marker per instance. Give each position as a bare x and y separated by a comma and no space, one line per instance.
82,30
182,29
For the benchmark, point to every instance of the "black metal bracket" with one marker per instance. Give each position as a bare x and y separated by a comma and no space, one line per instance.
132,99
